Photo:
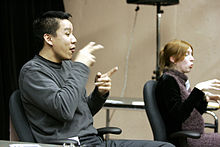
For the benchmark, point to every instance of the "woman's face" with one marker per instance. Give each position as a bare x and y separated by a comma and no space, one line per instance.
186,64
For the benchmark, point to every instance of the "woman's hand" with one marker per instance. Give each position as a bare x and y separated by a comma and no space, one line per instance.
209,85
212,97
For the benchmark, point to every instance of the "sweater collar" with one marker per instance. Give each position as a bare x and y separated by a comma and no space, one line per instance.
50,63
179,75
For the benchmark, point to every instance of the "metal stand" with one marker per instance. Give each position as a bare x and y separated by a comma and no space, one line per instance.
107,122
158,3
157,71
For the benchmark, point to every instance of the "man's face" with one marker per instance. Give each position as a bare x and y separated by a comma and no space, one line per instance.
64,43
186,64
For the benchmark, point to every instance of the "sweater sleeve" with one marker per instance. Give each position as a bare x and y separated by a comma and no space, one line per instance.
96,101
41,89
169,98
201,104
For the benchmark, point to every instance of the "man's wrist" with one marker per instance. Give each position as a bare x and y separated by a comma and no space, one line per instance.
101,94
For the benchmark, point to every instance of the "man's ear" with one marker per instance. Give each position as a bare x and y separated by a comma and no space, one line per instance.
172,59
48,39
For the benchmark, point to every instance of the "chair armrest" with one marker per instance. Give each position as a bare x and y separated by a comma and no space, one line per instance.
182,136
185,134
212,125
209,125
109,130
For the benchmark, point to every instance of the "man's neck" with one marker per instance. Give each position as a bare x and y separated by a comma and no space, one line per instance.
48,54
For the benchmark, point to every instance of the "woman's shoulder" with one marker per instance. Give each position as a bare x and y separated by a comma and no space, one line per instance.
167,80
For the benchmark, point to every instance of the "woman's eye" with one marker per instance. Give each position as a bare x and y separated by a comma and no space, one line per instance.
187,54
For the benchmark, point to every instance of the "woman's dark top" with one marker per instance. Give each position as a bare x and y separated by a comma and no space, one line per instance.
182,108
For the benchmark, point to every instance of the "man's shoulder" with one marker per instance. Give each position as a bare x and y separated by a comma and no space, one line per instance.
33,64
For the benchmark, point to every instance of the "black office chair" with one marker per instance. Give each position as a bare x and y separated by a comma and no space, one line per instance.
23,129
157,123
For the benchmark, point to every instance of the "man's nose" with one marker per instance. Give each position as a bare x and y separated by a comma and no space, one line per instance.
73,40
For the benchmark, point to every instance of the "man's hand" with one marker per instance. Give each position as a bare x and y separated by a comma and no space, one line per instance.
103,81
85,55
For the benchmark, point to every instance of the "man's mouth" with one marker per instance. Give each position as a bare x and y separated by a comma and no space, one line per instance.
72,49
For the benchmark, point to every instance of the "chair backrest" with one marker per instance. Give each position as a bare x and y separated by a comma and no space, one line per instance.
19,119
153,113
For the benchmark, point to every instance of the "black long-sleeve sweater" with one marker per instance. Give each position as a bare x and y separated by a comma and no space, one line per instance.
55,101
174,108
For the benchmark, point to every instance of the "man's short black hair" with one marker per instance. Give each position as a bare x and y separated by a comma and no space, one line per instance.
56,14
47,23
